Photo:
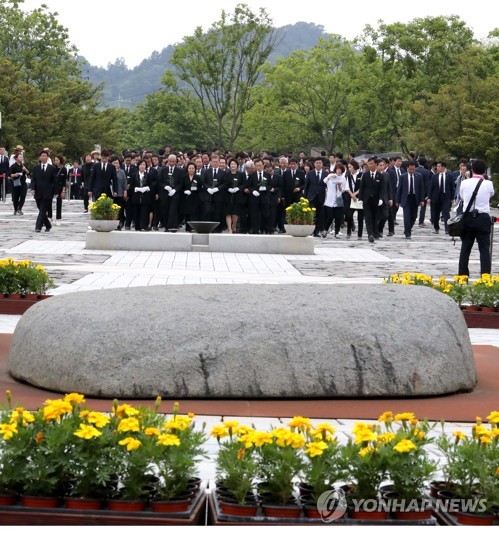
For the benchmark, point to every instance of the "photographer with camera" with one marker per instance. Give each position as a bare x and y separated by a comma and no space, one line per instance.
477,222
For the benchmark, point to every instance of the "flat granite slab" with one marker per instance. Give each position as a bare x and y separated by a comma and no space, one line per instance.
184,241
247,341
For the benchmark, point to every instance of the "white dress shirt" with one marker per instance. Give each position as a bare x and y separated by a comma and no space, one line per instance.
336,185
482,201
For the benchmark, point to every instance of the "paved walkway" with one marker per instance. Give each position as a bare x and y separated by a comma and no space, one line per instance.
73,268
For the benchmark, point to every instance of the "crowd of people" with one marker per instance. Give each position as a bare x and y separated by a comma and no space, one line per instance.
248,193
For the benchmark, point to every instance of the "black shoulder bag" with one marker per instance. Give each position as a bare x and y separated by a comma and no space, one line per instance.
455,225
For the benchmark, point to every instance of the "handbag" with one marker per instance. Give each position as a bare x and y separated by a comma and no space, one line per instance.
16,182
455,225
356,205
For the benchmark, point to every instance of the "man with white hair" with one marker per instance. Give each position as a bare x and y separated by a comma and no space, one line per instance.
250,184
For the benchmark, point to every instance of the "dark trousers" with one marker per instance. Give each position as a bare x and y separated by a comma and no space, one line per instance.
371,215
410,214
422,213
58,207
43,208
441,206
243,218
475,228
74,192
349,219
157,217
266,221
318,203
280,215
85,198
392,216
18,197
128,212
360,222
254,214
169,211
120,201
334,214
383,213
141,216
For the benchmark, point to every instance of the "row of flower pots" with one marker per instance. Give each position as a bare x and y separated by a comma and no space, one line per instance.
137,454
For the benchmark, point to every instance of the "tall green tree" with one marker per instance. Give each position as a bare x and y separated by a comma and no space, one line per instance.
43,99
221,66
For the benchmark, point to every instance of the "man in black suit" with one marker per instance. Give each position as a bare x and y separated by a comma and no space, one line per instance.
315,192
441,195
410,195
423,171
395,170
103,178
292,187
169,190
386,208
249,213
373,193
43,185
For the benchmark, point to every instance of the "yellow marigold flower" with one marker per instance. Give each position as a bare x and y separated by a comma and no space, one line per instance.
414,422
98,419
84,414
479,430
325,427
300,423
74,398
386,437
8,430
168,440
87,432
150,431
256,438
183,421
243,430
56,408
404,416
130,443
365,451
493,417
459,435
497,471
125,410
219,431
241,452
419,435
361,426
21,416
365,435
495,432
191,415
231,424
485,439
405,446
315,448
129,424
386,417
478,420
296,440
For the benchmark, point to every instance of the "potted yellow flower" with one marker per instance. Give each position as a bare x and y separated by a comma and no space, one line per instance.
103,214
278,454
236,468
300,219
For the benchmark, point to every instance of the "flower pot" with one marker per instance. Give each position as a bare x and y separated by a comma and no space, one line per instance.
362,514
126,505
238,509
282,511
7,499
103,225
40,502
87,504
171,506
475,519
299,231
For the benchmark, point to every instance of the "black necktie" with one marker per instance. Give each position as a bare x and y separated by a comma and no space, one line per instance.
412,185
43,168
293,175
127,169
214,173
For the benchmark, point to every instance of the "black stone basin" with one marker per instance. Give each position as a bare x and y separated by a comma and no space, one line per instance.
203,227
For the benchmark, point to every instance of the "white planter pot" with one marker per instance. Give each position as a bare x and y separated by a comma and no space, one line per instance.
103,225
299,231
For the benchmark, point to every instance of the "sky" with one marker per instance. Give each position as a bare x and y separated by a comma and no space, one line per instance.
104,30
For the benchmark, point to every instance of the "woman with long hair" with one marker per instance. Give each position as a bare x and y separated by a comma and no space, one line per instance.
60,184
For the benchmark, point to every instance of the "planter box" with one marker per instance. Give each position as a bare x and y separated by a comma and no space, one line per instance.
17,515
481,320
217,518
19,305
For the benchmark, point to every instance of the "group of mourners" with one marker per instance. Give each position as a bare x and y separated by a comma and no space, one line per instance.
249,193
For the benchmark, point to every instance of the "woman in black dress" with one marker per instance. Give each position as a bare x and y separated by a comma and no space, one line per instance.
17,174
233,180
140,189
190,186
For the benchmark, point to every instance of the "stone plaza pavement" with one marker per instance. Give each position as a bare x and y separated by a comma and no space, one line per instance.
73,268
